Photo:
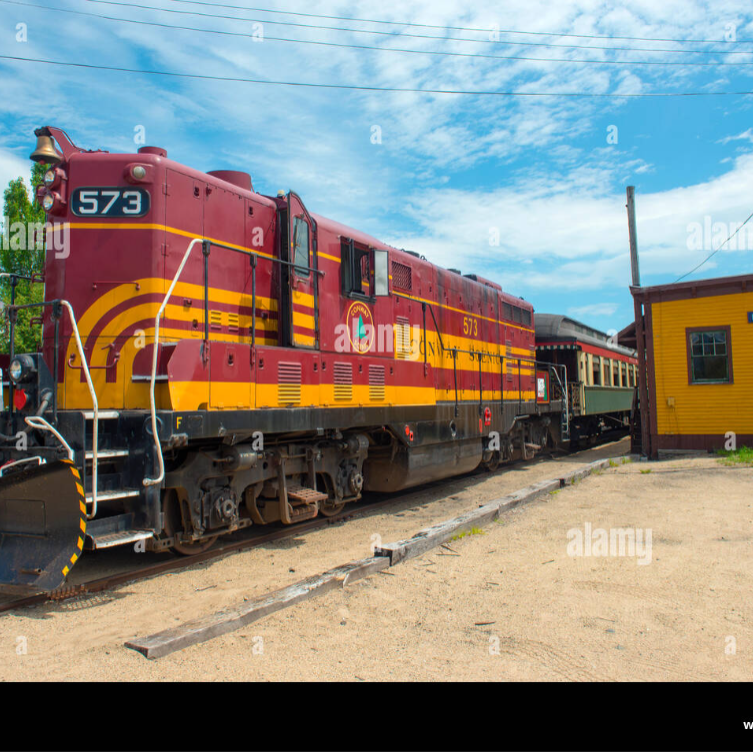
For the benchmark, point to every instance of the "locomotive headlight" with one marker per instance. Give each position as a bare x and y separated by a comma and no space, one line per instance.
21,369
138,172
53,178
48,202
16,370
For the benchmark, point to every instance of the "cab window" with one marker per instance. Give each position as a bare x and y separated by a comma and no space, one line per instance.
363,270
301,247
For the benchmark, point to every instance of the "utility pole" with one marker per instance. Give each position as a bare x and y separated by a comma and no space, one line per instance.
639,333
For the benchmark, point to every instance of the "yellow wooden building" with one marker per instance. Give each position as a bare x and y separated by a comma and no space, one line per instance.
699,362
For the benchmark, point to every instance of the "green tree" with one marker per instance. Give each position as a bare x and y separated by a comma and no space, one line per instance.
22,251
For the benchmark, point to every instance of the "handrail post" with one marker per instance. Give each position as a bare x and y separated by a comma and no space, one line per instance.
12,351
155,435
501,384
253,307
480,385
95,406
423,309
455,369
205,249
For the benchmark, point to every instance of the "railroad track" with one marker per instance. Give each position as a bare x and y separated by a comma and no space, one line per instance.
251,538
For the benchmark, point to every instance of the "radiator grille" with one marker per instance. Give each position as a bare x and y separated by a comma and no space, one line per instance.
289,382
402,276
343,381
376,382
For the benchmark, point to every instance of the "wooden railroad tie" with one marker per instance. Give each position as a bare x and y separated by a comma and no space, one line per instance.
233,618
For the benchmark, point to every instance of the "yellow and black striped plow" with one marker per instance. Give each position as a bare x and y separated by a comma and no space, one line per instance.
42,526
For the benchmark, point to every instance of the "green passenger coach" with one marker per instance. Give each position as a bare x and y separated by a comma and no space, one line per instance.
602,375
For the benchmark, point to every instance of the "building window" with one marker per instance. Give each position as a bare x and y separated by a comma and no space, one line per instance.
709,356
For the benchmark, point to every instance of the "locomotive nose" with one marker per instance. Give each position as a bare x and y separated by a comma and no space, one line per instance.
42,525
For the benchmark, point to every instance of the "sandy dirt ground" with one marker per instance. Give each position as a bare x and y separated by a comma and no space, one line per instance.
510,603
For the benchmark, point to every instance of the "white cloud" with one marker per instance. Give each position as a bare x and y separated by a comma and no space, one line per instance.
574,228
593,309
744,136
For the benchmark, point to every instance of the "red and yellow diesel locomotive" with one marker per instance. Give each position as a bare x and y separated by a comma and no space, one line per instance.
213,358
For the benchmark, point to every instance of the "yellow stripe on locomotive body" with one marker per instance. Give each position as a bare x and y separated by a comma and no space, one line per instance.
110,318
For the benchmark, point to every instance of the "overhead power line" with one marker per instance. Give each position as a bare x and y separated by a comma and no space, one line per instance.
370,47
716,250
353,87
408,34
451,28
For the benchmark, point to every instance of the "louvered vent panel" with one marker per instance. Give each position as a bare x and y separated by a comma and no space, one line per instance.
288,382
215,320
233,323
402,276
343,381
376,382
402,338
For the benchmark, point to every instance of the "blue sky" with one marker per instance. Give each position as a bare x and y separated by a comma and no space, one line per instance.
451,172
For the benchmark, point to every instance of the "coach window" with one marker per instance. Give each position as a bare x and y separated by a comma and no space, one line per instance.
507,312
526,317
597,371
517,314
709,356
301,245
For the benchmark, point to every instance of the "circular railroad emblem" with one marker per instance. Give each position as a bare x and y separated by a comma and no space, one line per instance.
360,325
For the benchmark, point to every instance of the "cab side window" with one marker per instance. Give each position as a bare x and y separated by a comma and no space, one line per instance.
363,271
301,247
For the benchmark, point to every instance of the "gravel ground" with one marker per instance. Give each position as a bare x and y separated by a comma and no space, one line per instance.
550,616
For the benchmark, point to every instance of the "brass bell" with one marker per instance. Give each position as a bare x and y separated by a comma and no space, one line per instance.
45,150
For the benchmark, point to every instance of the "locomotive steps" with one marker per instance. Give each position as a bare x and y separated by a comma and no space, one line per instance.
228,620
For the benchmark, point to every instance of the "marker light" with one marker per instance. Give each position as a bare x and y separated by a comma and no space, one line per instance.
49,178
20,399
48,202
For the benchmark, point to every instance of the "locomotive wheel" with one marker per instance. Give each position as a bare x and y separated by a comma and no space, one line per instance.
327,507
174,526
329,510
493,464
